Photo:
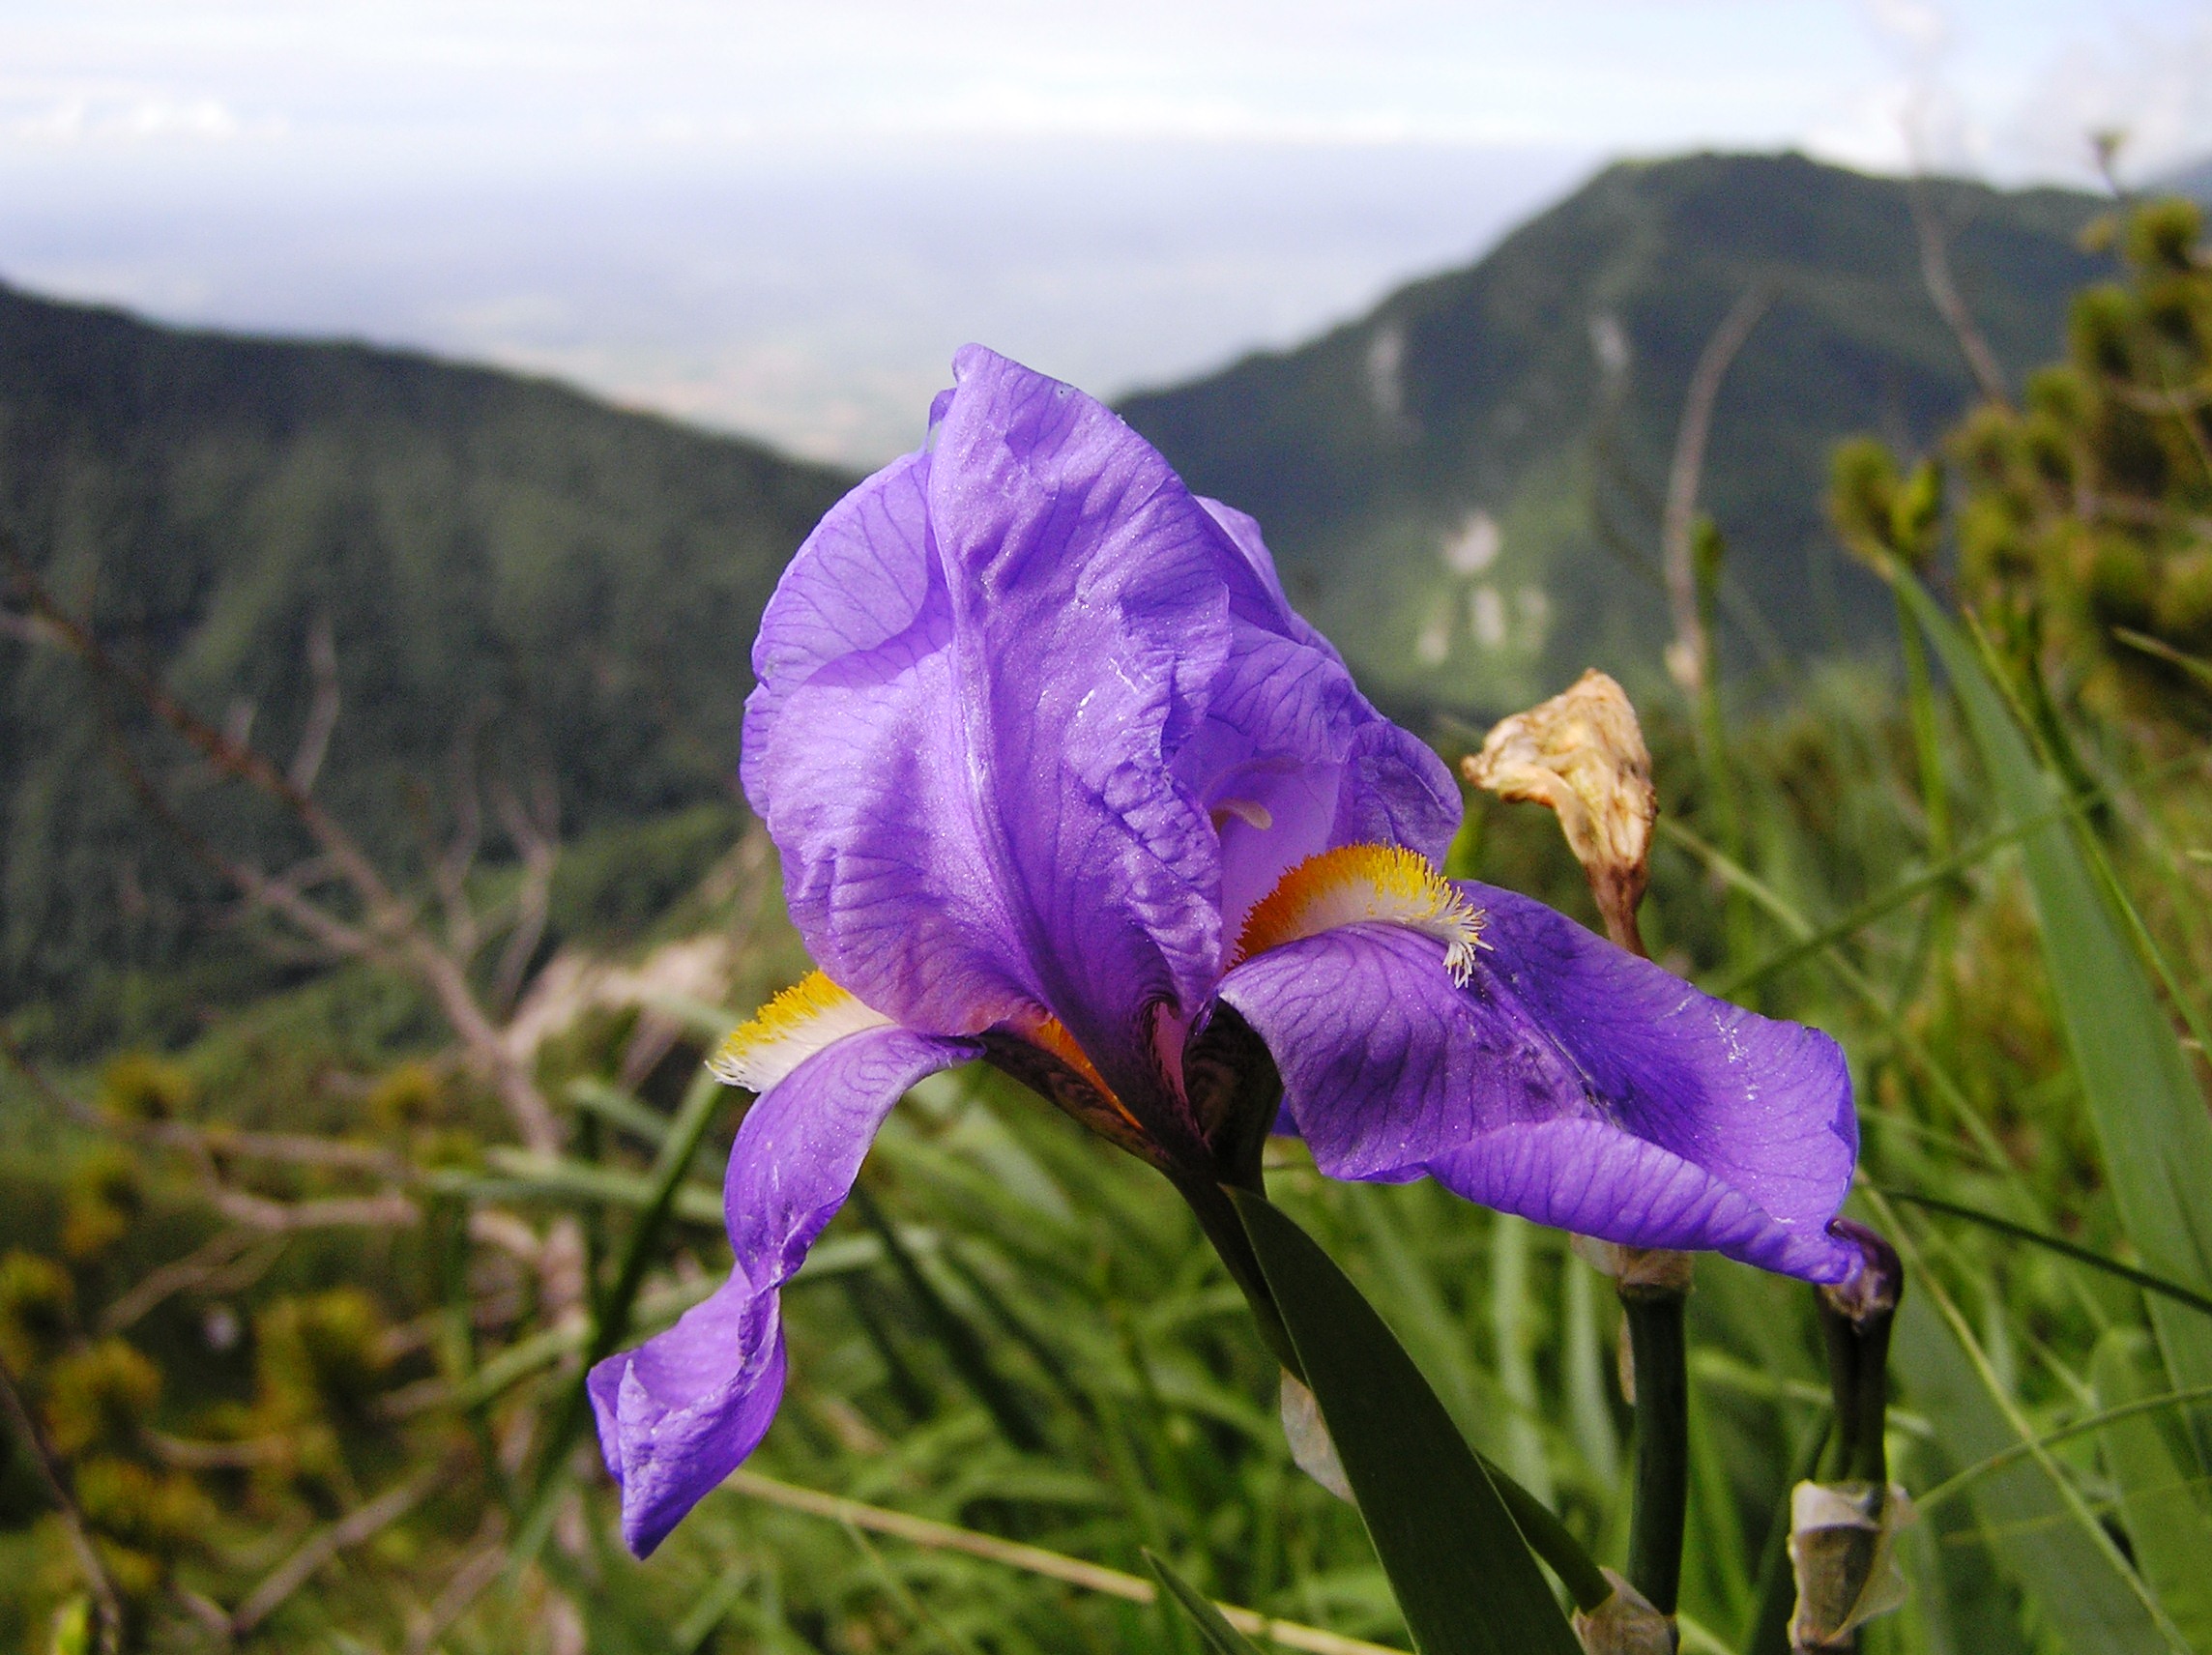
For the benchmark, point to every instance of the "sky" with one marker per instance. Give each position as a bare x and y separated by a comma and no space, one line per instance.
782,218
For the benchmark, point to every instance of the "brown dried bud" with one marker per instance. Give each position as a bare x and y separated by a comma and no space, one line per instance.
1625,1624
1581,754
1842,1551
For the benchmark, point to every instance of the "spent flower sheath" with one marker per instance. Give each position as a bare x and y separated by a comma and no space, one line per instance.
1063,784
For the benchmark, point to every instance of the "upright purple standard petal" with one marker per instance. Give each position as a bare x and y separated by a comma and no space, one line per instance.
676,1414
971,677
1568,1081
1034,725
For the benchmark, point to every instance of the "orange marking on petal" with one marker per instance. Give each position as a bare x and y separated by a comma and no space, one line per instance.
1044,1031
1048,1034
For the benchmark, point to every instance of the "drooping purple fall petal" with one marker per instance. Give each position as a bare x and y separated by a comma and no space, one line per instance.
676,1414
1568,1081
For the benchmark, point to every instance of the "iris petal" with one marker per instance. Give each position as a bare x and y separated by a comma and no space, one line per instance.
1023,703
1569,1082
678,1414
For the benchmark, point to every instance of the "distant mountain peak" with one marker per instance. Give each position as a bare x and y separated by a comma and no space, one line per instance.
1538,390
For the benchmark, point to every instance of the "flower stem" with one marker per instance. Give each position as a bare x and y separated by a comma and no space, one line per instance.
1208,1203
1658,1348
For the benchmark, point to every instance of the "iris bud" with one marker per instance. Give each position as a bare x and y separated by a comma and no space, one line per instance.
1873,1290
1625,1624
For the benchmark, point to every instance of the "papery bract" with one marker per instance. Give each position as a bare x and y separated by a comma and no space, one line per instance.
1060,780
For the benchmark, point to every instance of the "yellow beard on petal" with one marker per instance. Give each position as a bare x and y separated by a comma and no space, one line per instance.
1359,884
812,1013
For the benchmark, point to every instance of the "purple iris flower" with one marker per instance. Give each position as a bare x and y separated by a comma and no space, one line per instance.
1061,782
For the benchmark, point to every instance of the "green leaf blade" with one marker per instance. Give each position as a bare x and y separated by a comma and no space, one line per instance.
2151,1124
2154,1468
1464,1578
1218,1635
2077,1588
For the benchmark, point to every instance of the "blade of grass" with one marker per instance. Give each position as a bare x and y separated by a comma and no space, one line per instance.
902,1594
1958,1481
560,1179
2201,671
1939,1077
963,1347
611,1319
1409,1291
2150,1121
1718,1542
1877,907
712,1609
617,1108
1213,1630
1511,1240
2153,1466
2143,1279
2054,1546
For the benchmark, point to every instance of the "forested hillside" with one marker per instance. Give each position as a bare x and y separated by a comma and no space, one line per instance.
498,567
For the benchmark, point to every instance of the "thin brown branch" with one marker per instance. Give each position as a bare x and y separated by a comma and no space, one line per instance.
350,1530
106,1603
391,927
468,1582
539,852
178,1276
256,1213
322,710
1943,291
386,1210
2140,513
337,938
449,871
209,1614
303,877
2178,402
231,758
191,1456
26,628
1692,647
294,1148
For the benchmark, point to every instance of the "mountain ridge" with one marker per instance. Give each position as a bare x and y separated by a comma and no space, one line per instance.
1447,461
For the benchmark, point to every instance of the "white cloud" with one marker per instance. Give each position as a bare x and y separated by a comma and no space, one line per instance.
783,214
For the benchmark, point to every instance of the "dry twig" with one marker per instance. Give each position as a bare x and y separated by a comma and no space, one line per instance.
1033,1559
107,1604
1950,303
350,1530
1692,648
